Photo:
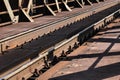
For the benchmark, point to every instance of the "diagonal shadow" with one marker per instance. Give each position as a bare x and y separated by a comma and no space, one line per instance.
99,73
105,53
112,32
93,73
111,28
102,55
91,55
107,40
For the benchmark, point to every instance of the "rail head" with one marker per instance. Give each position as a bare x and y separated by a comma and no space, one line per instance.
51,23
23,67
53,47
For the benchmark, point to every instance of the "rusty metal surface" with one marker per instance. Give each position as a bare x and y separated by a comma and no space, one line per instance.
19,34
52,38
20,27
97,59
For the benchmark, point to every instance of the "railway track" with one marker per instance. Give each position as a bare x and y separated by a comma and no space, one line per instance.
13,41
59,44
97,59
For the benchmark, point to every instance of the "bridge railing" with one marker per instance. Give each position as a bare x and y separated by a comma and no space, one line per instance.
14,11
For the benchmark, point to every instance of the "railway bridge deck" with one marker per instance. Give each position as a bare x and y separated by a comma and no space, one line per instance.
32,47
97,59
9,35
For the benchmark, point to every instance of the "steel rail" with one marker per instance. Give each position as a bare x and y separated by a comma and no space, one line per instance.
88,12
107,18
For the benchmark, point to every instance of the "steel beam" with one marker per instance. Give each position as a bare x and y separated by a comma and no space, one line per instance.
65,3
79,3
82,2
30,6
58,7
89,2
97,1
13,18
26,13
48,7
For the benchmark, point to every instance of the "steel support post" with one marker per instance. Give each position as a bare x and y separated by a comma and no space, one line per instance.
30,6
26,13
79,3
65,3
13,18
82,2
58,7
89,2
48,7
